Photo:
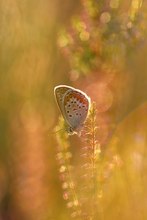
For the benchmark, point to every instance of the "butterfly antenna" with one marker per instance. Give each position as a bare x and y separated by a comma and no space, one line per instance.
54,132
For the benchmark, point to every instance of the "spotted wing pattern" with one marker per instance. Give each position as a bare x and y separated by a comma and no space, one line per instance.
73,104
76,106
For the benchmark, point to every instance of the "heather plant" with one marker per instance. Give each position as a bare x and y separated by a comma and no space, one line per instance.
81,189
102,35
66,169
83,183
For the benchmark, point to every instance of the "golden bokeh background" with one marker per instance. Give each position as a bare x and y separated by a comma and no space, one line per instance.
37,54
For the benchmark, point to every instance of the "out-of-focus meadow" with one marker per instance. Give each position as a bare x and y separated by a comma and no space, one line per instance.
99,47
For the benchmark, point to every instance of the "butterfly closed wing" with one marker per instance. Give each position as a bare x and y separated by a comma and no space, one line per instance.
74,106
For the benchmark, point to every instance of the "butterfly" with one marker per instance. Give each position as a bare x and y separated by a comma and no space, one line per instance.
74,106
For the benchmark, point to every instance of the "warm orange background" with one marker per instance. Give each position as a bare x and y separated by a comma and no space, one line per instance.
31,64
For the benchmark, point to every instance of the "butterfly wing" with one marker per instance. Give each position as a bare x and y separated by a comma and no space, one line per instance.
76,107
59,92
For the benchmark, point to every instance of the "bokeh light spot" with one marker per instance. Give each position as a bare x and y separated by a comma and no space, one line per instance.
102,96
63,41
105,17
84,35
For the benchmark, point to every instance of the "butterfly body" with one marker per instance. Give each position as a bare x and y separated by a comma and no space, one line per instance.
74,106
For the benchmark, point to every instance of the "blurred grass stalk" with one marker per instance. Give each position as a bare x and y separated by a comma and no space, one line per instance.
26,40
